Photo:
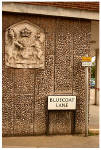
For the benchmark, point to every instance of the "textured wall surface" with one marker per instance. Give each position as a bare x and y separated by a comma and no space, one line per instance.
25,91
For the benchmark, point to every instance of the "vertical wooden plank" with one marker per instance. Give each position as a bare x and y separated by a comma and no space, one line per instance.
24,101
7,94
23,115
63,57
18,91
60,121
81,39
44,78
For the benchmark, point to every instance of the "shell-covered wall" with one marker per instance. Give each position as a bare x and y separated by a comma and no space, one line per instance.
26,90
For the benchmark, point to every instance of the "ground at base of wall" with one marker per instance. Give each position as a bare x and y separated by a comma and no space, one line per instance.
63,141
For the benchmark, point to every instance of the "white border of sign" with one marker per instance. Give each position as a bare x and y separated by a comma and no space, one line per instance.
61,102
86,64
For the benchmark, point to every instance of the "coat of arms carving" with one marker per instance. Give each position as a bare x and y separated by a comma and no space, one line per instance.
24,46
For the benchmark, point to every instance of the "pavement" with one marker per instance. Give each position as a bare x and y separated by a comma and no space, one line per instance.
63,141
60,141
94,111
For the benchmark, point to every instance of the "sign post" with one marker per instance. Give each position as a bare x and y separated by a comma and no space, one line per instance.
86,61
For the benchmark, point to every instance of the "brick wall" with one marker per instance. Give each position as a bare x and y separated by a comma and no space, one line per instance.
94,6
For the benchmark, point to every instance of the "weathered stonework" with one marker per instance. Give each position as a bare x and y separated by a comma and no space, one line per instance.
25,90
24,46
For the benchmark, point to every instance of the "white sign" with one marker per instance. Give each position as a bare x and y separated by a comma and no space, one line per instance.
61,102
86,64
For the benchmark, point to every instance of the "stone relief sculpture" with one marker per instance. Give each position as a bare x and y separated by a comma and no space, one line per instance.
24,46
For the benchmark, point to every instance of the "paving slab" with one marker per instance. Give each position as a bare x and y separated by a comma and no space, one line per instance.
63,141
94,112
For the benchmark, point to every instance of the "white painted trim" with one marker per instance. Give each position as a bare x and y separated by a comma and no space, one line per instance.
49,10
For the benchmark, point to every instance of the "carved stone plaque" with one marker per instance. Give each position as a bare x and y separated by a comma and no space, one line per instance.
24,46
